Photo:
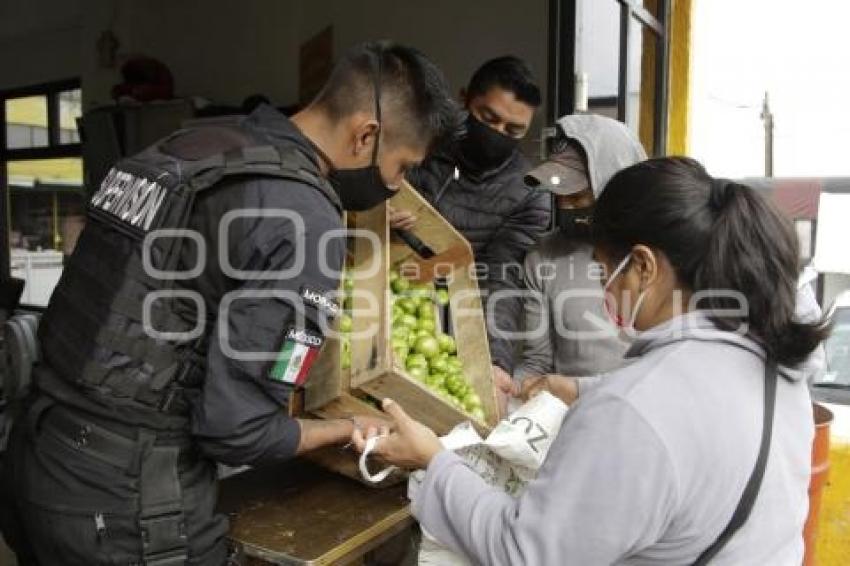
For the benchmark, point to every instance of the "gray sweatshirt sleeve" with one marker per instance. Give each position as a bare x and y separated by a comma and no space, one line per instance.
537,354
606,490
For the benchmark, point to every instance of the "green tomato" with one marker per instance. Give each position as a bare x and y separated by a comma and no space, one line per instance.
427,346
426,310
400,285
410,321
463,390
348,283
423,334
471,401
438,365
394,275
398,312
454,384
420,291
478,414
418,373
447,343
401,352
347,302
408,305
398,343
400,332
345,360
345,323
435,380
455,365
416,360
442,297
428,325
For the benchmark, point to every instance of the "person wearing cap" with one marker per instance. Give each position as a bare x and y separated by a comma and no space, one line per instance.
567,331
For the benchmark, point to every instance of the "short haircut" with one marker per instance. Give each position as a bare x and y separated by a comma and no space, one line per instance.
510,73
416,106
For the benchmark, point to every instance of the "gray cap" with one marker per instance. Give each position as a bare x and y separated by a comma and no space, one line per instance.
564,173
606,146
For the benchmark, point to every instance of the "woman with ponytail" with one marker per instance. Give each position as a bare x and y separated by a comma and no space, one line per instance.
698,450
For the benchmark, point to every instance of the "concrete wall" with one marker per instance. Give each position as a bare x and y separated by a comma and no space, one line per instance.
224,50
220,50
458,36
39,41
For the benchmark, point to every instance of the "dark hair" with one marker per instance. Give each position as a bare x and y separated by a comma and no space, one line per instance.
717,235
510,73
416,106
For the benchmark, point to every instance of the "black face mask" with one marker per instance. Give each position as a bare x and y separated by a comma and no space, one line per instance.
575,222
484,148
361,188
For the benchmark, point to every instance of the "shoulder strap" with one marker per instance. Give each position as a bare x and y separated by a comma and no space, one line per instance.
259,160
748,498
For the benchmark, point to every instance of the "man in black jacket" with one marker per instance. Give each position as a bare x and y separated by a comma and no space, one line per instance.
476,182
160,357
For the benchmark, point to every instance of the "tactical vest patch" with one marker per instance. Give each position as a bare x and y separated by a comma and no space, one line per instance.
319,300
133,200
299,351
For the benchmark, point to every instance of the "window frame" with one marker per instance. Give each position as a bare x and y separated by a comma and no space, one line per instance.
562,61
54,148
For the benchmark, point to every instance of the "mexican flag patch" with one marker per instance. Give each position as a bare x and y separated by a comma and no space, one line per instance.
299,351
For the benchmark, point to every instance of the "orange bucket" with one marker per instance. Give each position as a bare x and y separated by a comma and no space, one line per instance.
820,474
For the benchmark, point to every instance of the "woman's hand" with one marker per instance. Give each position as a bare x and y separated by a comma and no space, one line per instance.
401,219
563,387
409,444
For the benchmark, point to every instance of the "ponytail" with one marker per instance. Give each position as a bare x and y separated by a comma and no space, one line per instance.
718,235
753,249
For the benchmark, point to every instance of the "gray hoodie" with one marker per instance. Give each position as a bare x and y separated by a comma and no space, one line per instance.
648,466
567,330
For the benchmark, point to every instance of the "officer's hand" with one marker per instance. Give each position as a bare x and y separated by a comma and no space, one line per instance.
409,444
563,387
365,422
504,387
401,219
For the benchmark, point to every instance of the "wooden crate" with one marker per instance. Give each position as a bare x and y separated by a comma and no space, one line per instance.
374,371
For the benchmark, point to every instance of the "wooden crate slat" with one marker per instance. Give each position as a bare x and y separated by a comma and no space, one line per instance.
373,370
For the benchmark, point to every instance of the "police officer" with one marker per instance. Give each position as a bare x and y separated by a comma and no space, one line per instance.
192,307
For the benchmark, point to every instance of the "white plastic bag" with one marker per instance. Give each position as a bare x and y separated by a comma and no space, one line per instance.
509,458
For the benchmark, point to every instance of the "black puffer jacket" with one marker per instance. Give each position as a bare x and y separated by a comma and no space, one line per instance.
501,217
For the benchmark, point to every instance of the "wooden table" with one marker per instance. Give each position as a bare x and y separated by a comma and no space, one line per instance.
298,513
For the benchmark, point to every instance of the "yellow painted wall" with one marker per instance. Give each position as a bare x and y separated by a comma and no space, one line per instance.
67,171
30,111
678,79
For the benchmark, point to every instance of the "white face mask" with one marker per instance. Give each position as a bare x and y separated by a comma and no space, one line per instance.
616,319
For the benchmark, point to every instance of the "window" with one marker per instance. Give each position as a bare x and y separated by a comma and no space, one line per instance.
26,122
41,179
615,53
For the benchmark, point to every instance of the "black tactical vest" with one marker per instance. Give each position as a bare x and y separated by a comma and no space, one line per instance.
93,333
